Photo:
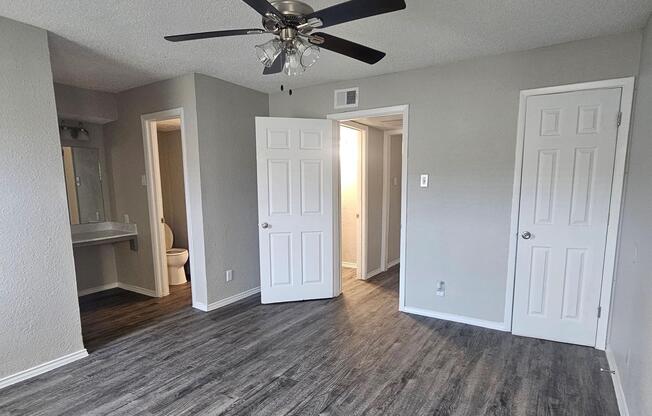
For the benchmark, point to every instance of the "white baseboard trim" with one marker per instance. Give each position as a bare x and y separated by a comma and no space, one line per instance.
499,326
618,386
137,289
393,263
229,300
200,305
96,289
349,265
42,368
372,273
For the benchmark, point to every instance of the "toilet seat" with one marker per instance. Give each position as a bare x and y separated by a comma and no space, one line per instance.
176,251
176,259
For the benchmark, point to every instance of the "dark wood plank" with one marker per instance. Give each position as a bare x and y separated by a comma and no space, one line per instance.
354,355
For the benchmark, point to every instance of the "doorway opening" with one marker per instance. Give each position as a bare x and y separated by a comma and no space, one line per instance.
175,226
371,159
167,172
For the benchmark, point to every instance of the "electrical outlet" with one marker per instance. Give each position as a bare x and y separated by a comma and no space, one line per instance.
424,181
126,218
229,275
441,288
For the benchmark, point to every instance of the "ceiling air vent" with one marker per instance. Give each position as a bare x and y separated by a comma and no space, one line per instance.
347,98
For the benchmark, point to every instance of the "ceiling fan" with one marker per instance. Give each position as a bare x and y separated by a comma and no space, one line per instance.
295,47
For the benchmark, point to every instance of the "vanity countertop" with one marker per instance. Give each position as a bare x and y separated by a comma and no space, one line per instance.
103,233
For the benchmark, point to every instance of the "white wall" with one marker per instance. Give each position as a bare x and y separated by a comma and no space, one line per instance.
462,130
350,140
39,314
227,140
630,338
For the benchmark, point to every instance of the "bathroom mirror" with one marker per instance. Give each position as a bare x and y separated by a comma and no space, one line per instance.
83,176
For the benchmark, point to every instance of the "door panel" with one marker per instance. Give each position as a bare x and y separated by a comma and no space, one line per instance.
297,196
568,161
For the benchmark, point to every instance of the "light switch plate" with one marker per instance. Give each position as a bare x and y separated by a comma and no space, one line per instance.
424,180
229,275
143,180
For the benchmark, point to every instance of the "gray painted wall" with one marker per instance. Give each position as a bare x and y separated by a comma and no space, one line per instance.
94,265
227,143
394,215
173,193
462,130
220,117
85,105
39,315
127,165
630,337
375,156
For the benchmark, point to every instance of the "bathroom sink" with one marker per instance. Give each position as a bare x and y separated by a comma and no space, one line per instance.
104,233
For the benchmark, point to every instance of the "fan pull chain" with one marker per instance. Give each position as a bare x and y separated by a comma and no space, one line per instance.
283,88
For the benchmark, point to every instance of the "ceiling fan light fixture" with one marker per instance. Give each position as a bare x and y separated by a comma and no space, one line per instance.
308,53
293,65
295,46
269,51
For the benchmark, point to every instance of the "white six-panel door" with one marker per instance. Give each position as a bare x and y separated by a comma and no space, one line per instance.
297,196
568,162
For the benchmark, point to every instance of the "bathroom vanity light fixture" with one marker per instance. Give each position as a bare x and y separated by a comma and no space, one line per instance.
295,47
77,132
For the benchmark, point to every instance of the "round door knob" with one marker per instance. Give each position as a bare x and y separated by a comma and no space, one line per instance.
526,235
264,225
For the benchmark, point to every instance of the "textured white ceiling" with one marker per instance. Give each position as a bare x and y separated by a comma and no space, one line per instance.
113,45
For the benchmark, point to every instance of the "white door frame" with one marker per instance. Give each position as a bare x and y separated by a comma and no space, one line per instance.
361,232
387,160
155,205
627,86
385,111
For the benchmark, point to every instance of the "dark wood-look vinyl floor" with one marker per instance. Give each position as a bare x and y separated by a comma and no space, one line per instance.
353,355
112,314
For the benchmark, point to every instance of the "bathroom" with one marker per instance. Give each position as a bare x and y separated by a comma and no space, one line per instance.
120,272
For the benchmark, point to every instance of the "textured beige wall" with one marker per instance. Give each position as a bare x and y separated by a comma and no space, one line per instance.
174,203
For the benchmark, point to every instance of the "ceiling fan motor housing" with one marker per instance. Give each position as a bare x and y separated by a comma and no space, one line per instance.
295,13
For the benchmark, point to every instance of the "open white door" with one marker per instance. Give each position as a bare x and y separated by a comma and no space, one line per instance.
298,208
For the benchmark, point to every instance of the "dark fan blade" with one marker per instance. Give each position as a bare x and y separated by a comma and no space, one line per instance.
216,34
277,66
263,7
354,10
346,47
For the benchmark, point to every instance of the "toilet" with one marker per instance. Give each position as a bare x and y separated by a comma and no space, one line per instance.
176,258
